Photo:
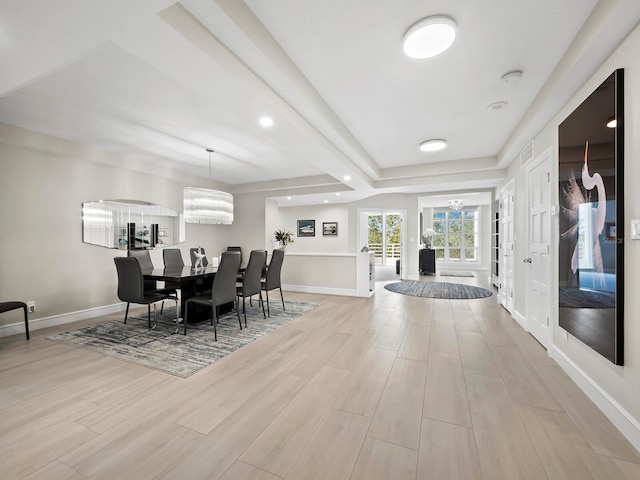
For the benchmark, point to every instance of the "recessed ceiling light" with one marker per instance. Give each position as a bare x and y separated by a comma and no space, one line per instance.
338,194
266,121
512,77
346,178
433,145
429,37
288,198
612,122
325,201
497,106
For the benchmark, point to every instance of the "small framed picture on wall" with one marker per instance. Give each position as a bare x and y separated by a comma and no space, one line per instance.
306,228
330,228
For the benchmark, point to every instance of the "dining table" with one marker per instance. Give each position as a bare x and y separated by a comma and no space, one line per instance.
188,279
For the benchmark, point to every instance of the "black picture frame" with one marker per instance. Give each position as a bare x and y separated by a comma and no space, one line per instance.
306,228
610,231
591,220
330,229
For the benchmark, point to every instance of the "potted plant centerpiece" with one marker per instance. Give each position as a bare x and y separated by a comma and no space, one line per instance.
283,237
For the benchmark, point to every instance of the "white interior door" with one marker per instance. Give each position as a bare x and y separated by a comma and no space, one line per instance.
538,261
505,289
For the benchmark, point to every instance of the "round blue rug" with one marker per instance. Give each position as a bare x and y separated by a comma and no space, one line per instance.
438,290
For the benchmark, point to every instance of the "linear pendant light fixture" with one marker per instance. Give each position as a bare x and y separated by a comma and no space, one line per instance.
208,206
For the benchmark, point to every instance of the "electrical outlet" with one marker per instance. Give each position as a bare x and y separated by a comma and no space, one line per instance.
31,306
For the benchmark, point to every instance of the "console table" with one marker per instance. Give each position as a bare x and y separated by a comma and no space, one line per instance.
427,261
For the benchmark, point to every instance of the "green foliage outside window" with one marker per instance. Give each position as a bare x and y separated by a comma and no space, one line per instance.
456,236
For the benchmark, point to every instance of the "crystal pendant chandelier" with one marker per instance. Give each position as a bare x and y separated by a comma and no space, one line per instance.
205,205
455,204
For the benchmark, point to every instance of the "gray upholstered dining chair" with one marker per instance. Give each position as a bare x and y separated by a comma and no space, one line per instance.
271,279
223,290
144,259
8,306
241,269
250,283
131,288
172,258
239,250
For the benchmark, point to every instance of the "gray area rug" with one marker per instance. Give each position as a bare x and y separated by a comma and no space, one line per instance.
576,298
438,290
453,273
175,353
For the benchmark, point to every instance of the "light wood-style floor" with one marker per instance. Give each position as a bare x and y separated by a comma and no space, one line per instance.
389,387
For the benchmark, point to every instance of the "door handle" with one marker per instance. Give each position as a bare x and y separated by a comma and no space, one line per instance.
527,260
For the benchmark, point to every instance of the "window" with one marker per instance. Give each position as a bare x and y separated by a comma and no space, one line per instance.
456,238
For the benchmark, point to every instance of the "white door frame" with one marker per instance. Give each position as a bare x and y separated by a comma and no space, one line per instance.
362,258
538,313
507,247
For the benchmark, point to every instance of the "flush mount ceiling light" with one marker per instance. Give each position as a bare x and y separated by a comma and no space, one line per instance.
612,122
346,178
497,106
512,77
429,37
208,206
266,122
433,145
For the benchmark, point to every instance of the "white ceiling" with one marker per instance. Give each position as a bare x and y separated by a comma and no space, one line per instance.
156,82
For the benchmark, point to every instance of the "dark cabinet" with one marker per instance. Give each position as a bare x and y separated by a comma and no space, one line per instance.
427,261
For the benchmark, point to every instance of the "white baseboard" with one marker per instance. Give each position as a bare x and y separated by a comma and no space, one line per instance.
623,420
521,319
44,322
345,292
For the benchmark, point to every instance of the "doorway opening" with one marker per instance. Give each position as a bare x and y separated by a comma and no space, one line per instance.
384,238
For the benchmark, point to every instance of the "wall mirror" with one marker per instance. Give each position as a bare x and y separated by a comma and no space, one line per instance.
131,224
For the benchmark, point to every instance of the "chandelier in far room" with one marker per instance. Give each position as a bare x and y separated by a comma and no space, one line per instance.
455,204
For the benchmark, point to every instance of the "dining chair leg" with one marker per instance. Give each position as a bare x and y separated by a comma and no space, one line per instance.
244,311
262,302
186,311
215,329
282,297
126,313
177,317
266,292
237,307
155,316
149,313
26,321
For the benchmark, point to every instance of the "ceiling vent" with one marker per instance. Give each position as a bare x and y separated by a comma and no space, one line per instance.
526,154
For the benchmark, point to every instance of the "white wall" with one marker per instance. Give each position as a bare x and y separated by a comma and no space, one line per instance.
621,384
288,218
